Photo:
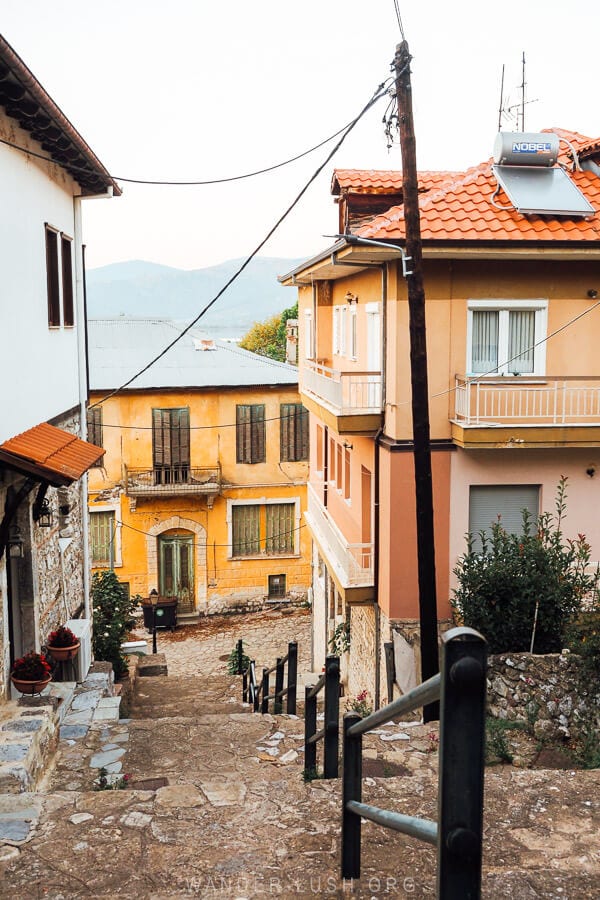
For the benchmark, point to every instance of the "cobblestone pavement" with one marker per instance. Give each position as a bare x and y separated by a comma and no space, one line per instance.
219,809
202,649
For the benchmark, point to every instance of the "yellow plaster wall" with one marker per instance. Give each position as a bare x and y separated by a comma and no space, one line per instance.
221,581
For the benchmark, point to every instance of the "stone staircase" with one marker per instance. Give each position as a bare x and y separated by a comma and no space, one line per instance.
216,807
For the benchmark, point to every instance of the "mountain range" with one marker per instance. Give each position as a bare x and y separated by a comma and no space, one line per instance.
138,289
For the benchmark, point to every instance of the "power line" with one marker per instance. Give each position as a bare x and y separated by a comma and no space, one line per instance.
381,91
399,17
210,544
200,427
196,183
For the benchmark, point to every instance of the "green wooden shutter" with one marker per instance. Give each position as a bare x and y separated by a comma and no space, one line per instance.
245,521
243,434
258,433
94,427
161,437
280,528
101,534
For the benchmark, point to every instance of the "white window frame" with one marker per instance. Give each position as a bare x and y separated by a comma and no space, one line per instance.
340,327
504,307
265,501
117,548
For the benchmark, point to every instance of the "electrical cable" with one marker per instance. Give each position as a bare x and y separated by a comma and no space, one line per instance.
259,540
399,17
381,91
280,165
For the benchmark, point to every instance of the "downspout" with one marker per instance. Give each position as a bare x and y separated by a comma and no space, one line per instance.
376,523
83,393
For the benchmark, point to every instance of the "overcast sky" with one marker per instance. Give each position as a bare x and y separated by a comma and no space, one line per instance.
197,89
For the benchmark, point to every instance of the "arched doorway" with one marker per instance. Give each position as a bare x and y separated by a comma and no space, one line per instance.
195,534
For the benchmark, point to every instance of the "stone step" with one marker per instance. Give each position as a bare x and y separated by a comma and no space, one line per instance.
157,697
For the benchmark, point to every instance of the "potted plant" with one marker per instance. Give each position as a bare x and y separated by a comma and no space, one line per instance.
31,673
62,644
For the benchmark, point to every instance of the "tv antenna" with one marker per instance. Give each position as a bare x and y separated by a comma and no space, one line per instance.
514,112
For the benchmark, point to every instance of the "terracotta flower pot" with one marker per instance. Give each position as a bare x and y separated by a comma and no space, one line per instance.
60,654
30,687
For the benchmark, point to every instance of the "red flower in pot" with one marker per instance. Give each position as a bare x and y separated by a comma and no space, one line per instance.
31,673
62,644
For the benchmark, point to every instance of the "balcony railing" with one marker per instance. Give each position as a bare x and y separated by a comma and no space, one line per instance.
527,400
169,480
347,393
353,563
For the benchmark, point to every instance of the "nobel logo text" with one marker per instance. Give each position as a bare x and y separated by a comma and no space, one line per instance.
531,147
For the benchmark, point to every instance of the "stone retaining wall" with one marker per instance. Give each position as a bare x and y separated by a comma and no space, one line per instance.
250,600
543,692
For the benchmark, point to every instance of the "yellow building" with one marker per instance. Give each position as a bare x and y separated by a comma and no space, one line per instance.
202,491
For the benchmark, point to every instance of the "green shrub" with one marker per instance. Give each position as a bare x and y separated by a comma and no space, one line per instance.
522,590
113,618
233,661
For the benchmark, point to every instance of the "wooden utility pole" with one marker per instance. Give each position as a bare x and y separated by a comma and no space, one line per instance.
418,373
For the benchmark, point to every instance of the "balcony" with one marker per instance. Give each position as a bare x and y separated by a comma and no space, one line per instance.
351,402
173,481
541,410
351,565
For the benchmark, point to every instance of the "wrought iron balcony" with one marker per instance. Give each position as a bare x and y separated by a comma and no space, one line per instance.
527,400
173,480
345,393
352,563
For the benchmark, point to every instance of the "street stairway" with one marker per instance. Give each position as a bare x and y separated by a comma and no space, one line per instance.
216,807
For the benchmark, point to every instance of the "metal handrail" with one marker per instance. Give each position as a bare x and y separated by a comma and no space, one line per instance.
457,834
329,734
258,694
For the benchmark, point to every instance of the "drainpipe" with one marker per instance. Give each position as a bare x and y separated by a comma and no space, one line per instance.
81,323
376,519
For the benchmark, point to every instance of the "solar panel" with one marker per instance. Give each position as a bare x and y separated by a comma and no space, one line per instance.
546,191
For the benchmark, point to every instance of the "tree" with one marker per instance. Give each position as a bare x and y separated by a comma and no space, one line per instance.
268,338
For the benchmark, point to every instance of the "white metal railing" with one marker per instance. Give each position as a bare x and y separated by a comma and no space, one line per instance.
530,400
353,563
348,393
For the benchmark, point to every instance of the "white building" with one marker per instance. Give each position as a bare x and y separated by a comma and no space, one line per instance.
46,170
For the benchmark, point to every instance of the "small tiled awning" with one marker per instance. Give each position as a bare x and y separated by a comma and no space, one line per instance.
51,454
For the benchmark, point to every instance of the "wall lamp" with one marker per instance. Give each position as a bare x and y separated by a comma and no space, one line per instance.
592,293
44,516
347,446
351,298
15,543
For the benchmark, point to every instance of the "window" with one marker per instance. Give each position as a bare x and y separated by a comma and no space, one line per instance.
293,432
280,528
353,333
339,329
276,586
94,429
250,433
263,528
339,472
332,446
507,339
309,335
346,473
245,522
67,281
488,502
102,533
319,442
171,445
52,278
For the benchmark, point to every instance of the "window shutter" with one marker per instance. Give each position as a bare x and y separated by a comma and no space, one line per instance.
302,432
180,436
257,451
242,434
52,277
161,437
101,533
67,281
94,426
245,521
487,502
286,425
280,528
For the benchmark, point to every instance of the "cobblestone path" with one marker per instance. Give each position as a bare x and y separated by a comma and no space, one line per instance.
217,808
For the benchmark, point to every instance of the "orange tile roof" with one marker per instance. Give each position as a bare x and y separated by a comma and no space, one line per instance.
382,181
465,207
50,453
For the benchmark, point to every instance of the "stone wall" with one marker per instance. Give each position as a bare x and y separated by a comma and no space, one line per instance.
251,600
543,692
361,667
